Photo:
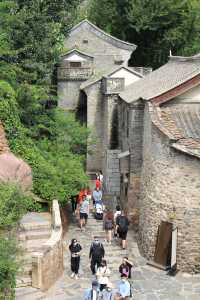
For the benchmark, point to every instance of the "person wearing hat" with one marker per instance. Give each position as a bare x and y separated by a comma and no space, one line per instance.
108,293
92,293
124,289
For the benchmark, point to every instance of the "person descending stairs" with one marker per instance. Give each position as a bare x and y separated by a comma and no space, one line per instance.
73,289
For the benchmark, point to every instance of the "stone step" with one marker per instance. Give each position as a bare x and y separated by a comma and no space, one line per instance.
23,281
26,269
28,293
38,234
34,245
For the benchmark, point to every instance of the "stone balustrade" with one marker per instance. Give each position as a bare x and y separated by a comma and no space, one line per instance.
47,264
81,73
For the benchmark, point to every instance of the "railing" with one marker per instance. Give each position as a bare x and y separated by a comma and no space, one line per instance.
74,73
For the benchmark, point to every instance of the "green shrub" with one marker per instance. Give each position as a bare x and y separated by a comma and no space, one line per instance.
13,204
8,268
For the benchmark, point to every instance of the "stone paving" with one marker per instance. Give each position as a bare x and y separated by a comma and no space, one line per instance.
148,283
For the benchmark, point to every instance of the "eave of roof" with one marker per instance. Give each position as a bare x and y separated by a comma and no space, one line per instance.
173,74
98,77
119,43
78,51
167,125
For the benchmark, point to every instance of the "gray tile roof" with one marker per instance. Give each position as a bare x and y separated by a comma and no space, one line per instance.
104,35
177,71
181,124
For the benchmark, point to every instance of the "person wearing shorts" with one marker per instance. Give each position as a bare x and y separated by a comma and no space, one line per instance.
83,212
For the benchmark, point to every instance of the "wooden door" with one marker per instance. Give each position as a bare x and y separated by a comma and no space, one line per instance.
163,246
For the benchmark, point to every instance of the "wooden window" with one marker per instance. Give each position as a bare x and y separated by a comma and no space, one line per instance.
75,64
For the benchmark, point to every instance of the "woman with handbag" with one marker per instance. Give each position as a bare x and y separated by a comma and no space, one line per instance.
75,249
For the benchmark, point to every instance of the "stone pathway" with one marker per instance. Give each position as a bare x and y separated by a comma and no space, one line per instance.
148,283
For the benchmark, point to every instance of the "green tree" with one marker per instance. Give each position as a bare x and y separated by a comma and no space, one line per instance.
156,26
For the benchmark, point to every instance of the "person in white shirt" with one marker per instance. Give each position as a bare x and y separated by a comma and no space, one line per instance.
103,273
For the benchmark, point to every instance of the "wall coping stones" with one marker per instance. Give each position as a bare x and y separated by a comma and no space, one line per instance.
51,255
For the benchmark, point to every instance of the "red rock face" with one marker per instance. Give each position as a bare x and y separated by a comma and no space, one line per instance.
13,169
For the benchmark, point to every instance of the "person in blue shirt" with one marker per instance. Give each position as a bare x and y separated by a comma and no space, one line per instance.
97,196
108,293
92,293
124,289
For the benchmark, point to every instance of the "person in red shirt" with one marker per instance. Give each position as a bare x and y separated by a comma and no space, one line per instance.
98,184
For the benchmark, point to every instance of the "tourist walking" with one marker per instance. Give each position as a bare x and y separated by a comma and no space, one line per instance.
122,224
84,212
125,267
124,289
92,293
108,293
75,249
74,203
108,225
97,196
103,273
116,214
96,254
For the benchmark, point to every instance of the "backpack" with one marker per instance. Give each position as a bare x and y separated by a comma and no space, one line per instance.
123,223
108,224
98,216
97,249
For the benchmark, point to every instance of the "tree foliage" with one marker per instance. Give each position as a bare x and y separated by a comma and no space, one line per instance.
51,141
156,26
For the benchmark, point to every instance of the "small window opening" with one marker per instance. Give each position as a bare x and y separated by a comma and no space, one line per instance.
75,64
85,41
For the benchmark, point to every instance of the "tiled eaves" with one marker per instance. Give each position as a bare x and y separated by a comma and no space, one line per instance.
189,146
163,120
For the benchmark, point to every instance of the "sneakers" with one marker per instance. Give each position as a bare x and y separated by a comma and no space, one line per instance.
72,275
76,277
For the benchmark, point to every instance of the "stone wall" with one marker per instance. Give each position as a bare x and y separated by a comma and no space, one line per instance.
111,173
170,188
130,136
104,52
95,124
47,265
68,94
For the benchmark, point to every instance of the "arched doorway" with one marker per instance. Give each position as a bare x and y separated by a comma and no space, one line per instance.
81,111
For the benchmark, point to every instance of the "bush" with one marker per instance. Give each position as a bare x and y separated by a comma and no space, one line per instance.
8,268
13,204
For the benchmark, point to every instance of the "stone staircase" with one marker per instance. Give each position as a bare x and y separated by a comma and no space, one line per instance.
67,288
35,230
